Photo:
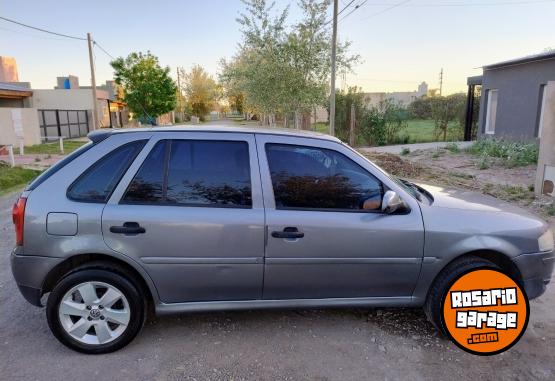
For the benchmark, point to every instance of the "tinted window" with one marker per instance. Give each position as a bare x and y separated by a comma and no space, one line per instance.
59,165
97,183
198,172
317,178
147,186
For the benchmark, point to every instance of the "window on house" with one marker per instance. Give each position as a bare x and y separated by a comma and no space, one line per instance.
491,111
320,179
541,110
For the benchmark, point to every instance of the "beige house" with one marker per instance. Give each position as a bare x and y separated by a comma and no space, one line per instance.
18,120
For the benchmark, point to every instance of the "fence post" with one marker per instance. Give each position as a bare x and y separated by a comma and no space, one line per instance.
10,154
62,144
352,126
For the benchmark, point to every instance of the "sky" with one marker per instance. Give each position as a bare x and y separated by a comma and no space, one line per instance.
400,47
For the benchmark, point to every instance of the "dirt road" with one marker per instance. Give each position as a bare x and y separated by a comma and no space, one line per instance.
348,344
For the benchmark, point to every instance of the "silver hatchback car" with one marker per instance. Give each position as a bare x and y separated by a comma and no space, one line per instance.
221,218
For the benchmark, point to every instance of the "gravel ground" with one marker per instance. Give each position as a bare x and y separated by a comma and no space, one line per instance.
347,344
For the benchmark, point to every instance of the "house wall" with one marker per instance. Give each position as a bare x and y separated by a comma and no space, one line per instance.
73,99
545,174
518,102
30,123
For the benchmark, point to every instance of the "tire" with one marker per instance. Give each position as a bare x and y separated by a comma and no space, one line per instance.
78,319
432,307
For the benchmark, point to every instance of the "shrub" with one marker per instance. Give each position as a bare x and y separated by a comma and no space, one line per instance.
405,151
513,154
452,147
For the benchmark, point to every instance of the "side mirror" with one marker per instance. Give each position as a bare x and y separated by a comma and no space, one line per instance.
391,202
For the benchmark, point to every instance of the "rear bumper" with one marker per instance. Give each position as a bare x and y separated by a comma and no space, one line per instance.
30,272
536,270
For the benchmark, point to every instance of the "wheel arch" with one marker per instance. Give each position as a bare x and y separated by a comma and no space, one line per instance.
79,261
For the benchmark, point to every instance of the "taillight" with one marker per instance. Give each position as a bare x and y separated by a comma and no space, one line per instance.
18,216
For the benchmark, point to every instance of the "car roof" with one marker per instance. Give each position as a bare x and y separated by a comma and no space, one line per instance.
102,134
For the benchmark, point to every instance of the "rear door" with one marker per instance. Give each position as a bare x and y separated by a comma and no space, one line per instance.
327,236
190,211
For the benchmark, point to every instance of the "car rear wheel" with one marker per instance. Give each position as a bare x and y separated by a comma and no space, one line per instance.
446,277
95,311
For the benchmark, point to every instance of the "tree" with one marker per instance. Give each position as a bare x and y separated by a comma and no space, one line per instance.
447,109
148,89
200,90
283,69
421,108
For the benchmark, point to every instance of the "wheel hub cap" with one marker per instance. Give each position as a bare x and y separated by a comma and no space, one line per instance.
94,313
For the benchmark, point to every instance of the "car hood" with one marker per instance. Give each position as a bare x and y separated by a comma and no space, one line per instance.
467,200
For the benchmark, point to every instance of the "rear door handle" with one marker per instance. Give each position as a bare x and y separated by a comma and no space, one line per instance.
128,228
288,232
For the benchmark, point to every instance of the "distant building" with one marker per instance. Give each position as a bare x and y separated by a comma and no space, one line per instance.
403,98
8,70
513,96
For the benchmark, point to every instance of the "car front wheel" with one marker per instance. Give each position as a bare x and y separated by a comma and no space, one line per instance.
95,311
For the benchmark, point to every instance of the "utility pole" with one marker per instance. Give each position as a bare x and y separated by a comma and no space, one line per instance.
352,126
441,82
179,94
93,84
332,86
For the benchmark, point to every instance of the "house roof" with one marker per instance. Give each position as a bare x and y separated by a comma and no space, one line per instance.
104,133
9,90
522,60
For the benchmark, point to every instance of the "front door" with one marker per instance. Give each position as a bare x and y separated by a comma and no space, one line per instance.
190,211
327,236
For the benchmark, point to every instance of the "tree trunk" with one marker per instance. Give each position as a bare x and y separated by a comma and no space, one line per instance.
297,124
305,121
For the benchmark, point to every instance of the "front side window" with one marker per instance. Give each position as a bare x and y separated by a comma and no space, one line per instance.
318,178
98,182
194,173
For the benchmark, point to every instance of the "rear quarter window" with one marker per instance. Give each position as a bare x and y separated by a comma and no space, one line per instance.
98,182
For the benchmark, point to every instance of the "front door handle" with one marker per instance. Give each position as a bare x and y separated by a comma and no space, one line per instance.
288,232
128,228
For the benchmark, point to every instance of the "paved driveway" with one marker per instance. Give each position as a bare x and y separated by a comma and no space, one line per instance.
348,344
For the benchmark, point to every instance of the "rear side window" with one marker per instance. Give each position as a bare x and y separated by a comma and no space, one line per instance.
320,179
98,182
59,165
194,173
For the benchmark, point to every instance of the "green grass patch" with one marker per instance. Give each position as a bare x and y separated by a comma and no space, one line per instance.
12,178
52,148
512,154
321,127
423,131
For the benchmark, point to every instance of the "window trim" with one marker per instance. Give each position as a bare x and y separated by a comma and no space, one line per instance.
167,156
328,210
487,129
541,109
140,146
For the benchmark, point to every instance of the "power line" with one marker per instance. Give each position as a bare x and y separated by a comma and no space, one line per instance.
351,12
338,13
104,50
42,30
387,9
460,4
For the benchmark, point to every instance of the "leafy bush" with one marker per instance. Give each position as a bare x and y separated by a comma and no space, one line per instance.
383,124
452,147
405,151
513,154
